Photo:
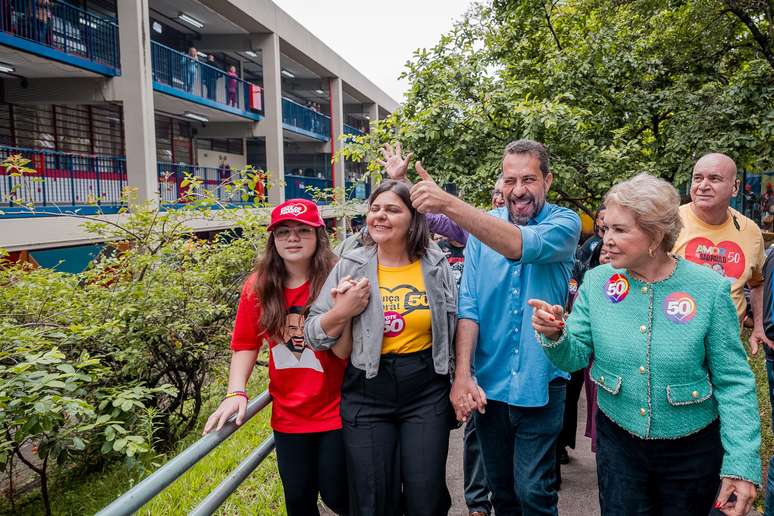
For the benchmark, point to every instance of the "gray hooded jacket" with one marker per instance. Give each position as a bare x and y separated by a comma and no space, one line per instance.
368,327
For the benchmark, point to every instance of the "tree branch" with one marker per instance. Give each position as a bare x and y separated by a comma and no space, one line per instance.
551,28
760,38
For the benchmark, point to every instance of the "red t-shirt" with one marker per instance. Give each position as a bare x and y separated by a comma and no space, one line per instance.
305,385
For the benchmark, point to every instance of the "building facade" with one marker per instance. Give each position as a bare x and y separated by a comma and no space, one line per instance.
104,94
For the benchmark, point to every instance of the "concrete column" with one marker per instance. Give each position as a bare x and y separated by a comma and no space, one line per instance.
134,88
271,126
372,110
337,131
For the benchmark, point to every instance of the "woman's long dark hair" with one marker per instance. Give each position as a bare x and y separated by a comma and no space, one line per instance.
270,281
418,237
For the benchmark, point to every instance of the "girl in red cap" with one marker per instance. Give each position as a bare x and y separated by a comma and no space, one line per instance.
305,384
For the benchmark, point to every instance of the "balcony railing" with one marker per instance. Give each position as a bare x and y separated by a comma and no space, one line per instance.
214,180
299,187
63,180
303,120
183,76
36,25
354,131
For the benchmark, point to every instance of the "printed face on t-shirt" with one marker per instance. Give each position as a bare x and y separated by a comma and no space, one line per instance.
294,331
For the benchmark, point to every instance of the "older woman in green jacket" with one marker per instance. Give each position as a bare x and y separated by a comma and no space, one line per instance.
678,426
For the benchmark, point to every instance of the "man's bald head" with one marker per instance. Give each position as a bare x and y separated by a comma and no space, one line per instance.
717,162
713,183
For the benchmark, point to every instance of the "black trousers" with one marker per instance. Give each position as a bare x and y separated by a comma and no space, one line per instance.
664,477
310,464
570,423
396,436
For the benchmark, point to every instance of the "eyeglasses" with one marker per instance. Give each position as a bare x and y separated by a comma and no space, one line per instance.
283,233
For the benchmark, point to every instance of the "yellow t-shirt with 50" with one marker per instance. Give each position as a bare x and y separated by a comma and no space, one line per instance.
737,253
407,321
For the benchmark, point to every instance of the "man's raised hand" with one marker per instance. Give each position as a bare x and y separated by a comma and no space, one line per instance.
426,195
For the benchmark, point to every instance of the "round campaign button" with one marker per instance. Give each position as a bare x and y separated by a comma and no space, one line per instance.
617,288
679,307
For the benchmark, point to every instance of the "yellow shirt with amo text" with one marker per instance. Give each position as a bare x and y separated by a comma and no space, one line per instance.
736,254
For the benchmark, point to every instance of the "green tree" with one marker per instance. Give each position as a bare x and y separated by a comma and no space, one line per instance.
612,88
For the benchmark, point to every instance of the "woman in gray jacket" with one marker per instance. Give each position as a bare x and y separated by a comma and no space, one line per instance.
397,296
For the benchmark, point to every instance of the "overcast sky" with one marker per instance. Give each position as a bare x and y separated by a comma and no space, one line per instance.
377,37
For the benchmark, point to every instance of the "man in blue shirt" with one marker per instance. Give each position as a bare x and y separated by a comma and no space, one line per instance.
521,251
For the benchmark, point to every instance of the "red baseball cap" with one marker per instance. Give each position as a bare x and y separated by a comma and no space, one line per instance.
297,210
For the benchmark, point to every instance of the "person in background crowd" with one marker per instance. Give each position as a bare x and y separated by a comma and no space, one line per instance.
583,255
717,236
678,425
498,201
231,87
190,65
395,406
210,77
751,203
514,253
304,384
600,256
767,208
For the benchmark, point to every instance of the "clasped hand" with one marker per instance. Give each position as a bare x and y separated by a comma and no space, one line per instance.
350,297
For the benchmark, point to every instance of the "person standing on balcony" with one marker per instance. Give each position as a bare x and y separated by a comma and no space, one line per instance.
190,64
305,384
210,74
43,21
231,86
394,401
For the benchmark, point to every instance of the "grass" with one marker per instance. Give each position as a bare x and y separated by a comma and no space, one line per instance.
260,494
758,365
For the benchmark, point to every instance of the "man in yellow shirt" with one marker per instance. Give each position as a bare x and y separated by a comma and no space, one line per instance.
719,237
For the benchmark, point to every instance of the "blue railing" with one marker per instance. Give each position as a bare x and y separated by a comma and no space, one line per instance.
214,180
63,27
297,187
186,77
62,180
303,120
353,131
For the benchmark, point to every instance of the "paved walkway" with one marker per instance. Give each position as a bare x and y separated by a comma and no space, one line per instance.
578,496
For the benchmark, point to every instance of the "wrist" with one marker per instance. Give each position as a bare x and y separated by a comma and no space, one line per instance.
462,374
237,394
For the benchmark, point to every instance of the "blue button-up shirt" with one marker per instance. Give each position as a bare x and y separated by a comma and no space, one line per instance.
510,364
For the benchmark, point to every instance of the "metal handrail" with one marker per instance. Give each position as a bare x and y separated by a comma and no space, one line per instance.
65,27
348,129
69,179
306,119
213,180
180,71
142,493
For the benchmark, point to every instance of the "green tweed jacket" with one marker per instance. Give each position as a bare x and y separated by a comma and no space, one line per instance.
668,359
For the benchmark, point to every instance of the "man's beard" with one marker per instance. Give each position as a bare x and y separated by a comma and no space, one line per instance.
292,346
522,220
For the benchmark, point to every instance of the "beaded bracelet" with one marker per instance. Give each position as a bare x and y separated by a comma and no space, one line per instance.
234,394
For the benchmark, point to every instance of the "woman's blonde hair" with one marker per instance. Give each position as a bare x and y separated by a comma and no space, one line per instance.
654,203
